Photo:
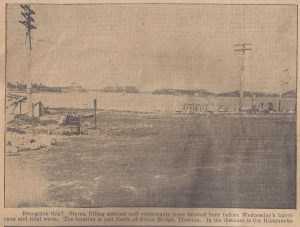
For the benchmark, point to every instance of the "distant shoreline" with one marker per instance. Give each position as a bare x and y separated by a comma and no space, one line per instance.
221,95
129,89
204,93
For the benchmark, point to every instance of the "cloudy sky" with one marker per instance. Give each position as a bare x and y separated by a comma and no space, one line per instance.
153,46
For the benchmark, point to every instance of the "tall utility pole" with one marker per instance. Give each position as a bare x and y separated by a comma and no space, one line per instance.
242,47
284,83
28,21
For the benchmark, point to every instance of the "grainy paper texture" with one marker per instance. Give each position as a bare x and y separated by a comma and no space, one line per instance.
149,113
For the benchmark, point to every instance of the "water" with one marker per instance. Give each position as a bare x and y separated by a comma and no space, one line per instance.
146,102
161,160
167,161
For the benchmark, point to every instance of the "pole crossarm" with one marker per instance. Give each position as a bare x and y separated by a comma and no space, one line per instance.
28,13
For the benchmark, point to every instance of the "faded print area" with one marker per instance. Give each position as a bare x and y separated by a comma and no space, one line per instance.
151,105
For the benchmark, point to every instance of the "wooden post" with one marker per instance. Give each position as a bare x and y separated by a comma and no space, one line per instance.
29,100
32,110
20,107
279,106
78,127
40,109
95,112
279,103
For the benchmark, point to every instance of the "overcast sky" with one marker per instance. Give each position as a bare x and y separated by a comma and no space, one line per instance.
153,46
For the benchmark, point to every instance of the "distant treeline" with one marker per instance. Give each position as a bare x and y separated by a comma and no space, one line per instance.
197,92
17,86
288,94
44,88
126,89
35,87
204,93
165,91
248,94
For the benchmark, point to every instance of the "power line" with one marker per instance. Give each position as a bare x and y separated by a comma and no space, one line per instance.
72,46
108,51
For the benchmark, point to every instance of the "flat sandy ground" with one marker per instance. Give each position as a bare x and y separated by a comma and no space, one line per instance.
163,161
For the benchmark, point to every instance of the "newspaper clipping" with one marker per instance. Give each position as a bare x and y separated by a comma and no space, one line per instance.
169,113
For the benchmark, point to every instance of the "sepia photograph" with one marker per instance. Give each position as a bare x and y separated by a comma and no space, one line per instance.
151,105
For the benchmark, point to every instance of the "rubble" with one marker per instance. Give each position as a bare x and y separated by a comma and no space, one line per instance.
25,133
26,142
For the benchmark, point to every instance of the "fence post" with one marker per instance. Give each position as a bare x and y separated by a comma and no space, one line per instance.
95,112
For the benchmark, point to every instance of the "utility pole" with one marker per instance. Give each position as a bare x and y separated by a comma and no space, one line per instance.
242,47
283,84
28,13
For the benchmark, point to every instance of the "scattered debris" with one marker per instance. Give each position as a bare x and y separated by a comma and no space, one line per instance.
23,142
